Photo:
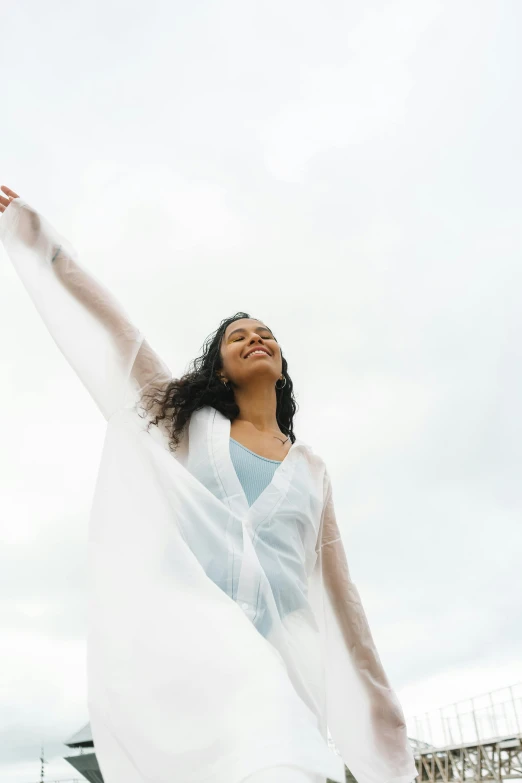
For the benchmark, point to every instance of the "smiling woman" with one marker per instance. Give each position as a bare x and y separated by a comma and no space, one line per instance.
242,373
225,634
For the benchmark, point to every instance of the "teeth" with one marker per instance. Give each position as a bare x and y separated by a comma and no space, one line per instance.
253,352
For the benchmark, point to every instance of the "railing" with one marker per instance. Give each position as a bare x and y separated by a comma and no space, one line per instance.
490,716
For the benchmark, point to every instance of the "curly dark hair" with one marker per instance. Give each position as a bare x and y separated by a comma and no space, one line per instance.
201,386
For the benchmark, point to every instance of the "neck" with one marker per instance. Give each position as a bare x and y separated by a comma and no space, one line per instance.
257,405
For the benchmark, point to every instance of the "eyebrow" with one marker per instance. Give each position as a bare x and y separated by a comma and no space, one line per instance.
241,329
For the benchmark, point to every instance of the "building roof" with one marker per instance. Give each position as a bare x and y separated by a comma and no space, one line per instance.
82,738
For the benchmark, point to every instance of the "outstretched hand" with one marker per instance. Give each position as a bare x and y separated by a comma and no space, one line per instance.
29,224
4,202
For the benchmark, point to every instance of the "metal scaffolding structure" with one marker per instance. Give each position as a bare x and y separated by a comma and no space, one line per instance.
477,739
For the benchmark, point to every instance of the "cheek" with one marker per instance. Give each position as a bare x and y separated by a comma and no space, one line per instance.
230,357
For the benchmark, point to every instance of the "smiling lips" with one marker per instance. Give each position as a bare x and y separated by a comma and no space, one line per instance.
256,351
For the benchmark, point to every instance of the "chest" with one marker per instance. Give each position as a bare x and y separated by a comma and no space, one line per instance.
294,490
264,444
282,522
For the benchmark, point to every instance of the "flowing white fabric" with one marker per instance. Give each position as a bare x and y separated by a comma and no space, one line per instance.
284,775
223,639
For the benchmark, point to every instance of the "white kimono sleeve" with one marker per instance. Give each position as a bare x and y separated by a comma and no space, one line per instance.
107,352
365,718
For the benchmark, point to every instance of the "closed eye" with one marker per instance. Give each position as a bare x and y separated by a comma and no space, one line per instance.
242,338
268,337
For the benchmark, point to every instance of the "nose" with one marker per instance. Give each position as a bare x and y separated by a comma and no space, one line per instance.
255,338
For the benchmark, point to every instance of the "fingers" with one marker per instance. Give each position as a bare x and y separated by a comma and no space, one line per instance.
4,202
9,191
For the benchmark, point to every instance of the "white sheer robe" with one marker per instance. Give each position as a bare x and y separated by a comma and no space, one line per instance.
222,639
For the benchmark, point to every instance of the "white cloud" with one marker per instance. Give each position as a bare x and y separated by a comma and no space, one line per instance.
346,105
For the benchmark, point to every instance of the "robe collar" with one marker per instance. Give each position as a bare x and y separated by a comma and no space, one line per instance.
210,461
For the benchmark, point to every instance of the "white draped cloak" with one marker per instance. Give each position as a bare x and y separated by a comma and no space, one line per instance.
222,638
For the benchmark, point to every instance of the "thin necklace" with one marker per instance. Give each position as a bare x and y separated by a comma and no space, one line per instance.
282,441
279,439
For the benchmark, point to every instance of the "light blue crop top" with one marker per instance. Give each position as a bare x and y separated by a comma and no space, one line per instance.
254,472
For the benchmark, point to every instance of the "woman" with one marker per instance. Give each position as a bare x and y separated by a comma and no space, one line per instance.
225,634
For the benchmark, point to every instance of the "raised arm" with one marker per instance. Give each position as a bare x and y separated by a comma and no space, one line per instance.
89,326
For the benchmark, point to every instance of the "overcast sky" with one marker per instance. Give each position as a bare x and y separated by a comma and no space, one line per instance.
349,172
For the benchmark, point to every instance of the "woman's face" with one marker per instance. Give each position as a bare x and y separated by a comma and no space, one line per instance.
249,350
